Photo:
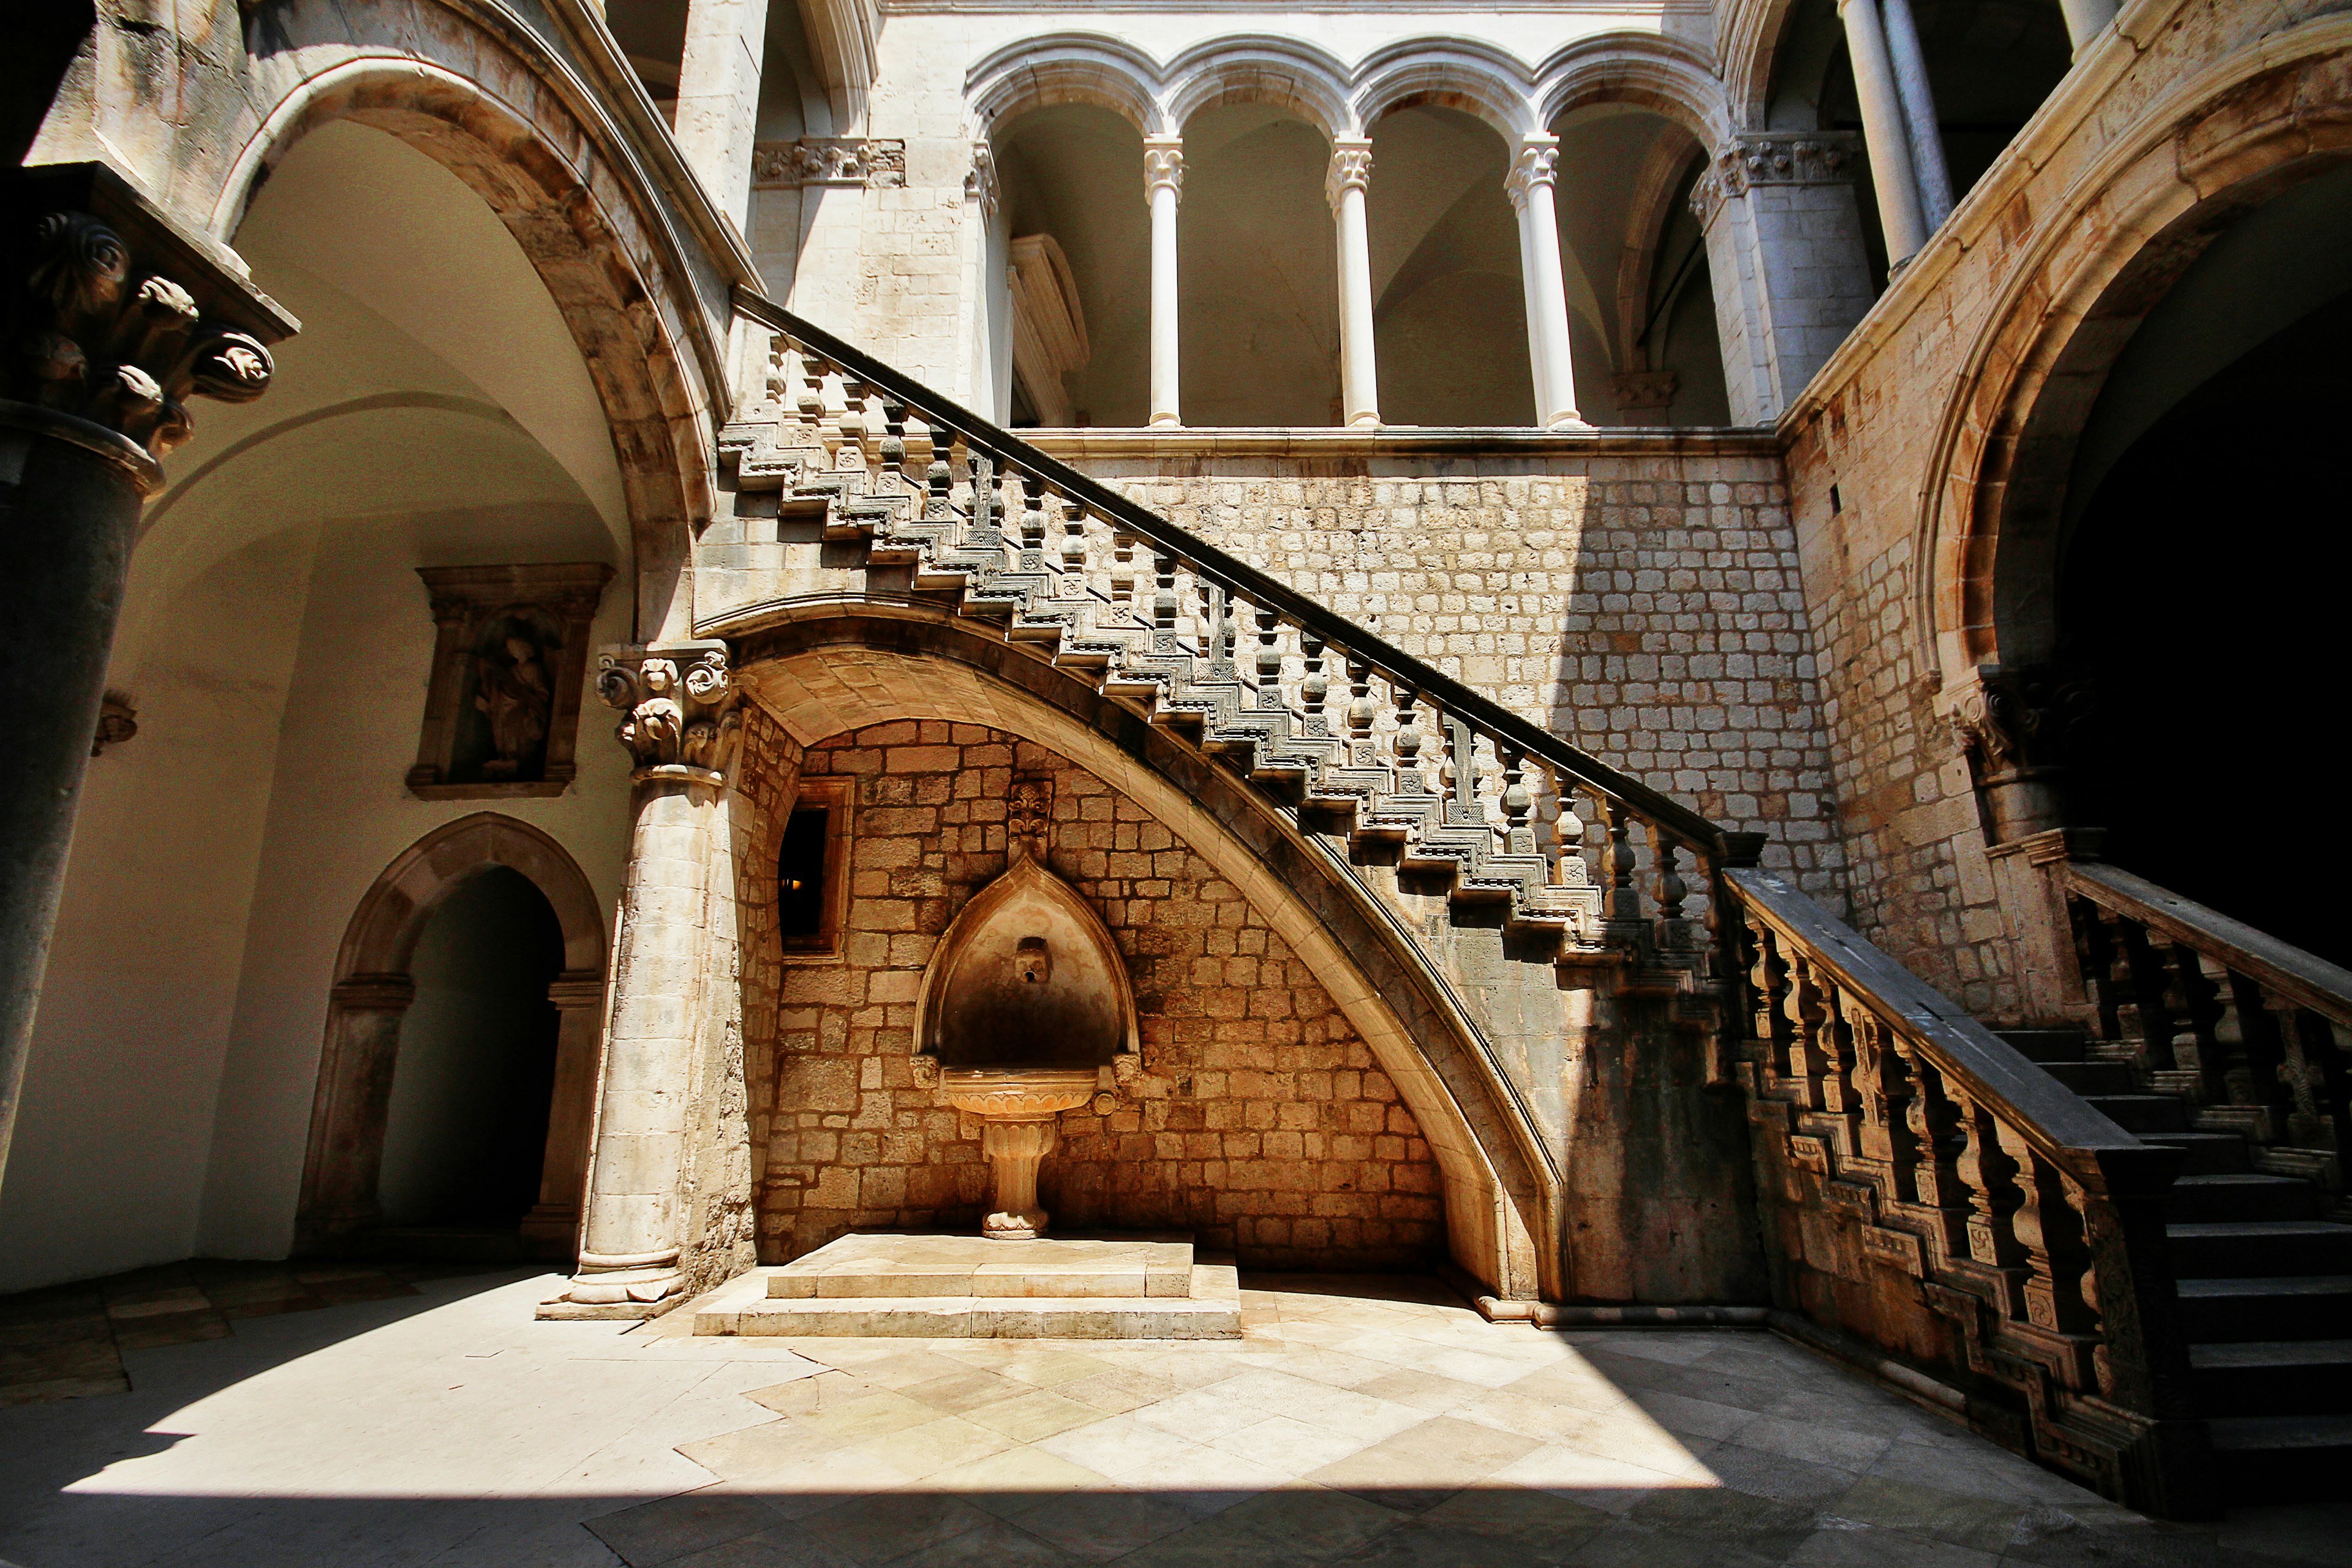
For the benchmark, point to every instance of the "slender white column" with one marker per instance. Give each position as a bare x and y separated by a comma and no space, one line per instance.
1918,114
1359,384
2085,20
1530,186
1882,135
1163,187
719,98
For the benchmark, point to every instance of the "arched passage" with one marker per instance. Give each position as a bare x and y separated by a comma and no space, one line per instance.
1080,249
837,671
373,988
2132,398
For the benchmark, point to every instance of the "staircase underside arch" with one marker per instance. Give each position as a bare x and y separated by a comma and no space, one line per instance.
823,668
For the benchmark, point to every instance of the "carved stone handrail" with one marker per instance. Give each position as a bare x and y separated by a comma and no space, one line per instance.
2256,1033
2025,1220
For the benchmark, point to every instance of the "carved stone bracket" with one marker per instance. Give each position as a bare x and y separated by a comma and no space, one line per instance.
876,162
680,699
1813,158
1646,391
979,185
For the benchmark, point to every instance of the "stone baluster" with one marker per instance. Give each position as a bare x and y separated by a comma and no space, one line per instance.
892,449
1314,690
1032,522
1807,1002
858,443
1882,1092
681,727
1936,1183
1362,751
1668,889
939,480
1769,1027
2044,1229
1216,628
1269,660
1621,905
812,402
1074,544
2312,1068
2195,1008
1406,741
103,357
1163,603
1569,867
1836,1039
1993,1200
1519,804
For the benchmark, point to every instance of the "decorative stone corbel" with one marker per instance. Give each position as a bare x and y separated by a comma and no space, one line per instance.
2015,725
680,699
118,721
1768,158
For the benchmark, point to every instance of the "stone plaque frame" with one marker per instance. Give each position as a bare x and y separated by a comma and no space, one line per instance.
555,603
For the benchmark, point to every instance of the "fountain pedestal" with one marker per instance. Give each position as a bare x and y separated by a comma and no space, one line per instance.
1019,1109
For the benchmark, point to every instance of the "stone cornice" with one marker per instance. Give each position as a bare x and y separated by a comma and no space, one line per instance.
1403,443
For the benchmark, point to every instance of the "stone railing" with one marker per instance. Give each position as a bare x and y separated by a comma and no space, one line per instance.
1936,1192
1338,721
2256,1033
1939,1198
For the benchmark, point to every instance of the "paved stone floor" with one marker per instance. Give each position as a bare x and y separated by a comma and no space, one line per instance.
1361,1422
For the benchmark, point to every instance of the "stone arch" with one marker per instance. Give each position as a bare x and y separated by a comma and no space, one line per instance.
1994,492
1659,74
1254,68
1455,73
372,990
611,266
1752,38
1065,67
824,669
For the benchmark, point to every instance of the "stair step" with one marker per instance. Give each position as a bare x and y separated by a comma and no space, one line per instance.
2273,1377
2208,1153
2093,1077
2144,1112
2212,1251
2266,1307
2281,1459
2195,1200
2047,1045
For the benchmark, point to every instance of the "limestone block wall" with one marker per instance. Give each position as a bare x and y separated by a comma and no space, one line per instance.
1260,1123
1640,596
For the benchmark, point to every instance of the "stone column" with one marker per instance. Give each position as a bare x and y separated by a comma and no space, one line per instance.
719,98
554,1221
681,727
1882,134
2085,20
1163,187
1784,252
1927,164
1530,189
2015,726
115,318
1359,384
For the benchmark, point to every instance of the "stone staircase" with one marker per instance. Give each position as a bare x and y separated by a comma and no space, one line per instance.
2010,1199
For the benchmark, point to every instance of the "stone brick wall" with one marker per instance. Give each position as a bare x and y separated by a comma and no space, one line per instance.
1260,1123
1642,601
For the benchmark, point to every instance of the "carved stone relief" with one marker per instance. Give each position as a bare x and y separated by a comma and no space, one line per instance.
510,651
878,161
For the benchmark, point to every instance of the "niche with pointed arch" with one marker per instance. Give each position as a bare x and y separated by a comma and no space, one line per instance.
1026,976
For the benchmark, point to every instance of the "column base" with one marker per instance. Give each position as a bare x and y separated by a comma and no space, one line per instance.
1364,421
645,1286
1571,420
1165,422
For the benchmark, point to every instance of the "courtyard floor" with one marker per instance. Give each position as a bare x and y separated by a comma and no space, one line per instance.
1358,1421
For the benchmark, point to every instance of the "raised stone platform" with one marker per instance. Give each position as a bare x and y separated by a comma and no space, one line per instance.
971,1286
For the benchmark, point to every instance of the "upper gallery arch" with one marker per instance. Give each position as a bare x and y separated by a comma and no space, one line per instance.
1645,69
1455,73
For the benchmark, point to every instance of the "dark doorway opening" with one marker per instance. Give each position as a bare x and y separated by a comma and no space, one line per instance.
466,1133
2197,598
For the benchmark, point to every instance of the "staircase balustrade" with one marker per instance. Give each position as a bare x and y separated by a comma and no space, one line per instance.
1936,1189
1927,1189
2255,1034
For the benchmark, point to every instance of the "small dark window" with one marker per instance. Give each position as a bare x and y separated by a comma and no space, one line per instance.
800,877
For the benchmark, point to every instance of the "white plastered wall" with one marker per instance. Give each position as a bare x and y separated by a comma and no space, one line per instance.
275,641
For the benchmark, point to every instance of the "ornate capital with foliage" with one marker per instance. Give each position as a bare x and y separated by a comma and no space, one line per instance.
2018,722
681,702
99,337
1536,164
1163,164
1351,169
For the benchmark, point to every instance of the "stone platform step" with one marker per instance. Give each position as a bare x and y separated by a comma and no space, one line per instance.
1059,1267
892,1286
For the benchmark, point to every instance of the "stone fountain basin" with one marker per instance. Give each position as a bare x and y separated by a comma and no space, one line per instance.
1018,1094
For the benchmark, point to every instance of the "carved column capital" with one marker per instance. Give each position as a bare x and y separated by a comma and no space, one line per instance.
1164,166
979,185
117,319
2015,725
680,699
1538,163
1351,169
1768,158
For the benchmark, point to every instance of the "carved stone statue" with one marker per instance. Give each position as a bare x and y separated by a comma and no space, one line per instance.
514,693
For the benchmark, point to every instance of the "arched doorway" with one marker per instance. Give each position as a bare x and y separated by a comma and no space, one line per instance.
441,1057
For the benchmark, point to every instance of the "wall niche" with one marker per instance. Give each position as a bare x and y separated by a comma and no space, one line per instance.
509,654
